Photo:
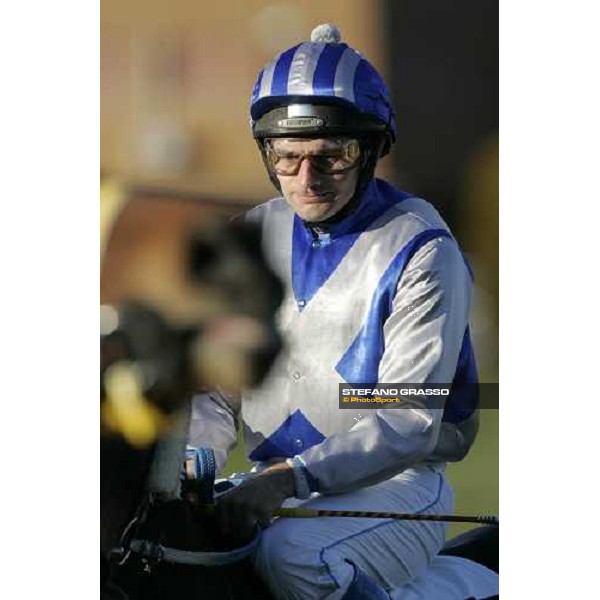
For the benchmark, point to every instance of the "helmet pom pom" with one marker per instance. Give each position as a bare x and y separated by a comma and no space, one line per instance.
326,33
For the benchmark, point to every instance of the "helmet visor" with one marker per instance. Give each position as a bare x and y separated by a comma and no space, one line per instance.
329,155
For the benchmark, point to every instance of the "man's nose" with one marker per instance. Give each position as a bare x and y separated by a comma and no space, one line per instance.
307,173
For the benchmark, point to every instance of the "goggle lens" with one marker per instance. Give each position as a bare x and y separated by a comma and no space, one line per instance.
339,157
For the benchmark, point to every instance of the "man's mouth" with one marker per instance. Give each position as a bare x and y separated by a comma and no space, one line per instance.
316,198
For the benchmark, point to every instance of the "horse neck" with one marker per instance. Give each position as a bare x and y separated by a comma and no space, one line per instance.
123,474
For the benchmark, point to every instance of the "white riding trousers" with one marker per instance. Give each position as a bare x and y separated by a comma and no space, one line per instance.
306,559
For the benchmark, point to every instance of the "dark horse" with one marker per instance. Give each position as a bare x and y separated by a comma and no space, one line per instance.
149,370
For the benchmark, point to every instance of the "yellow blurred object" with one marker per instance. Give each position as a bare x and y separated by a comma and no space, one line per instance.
112,201
127,411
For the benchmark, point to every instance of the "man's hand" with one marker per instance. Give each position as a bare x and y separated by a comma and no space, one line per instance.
253,502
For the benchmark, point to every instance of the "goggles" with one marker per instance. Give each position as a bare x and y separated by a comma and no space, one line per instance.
337,156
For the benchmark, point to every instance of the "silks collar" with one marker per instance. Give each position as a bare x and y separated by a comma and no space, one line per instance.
375,200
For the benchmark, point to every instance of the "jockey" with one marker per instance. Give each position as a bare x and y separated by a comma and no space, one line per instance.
377,290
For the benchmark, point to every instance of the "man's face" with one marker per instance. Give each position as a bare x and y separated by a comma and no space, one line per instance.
312,190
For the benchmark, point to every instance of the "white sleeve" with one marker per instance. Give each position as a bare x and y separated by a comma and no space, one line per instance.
423,337
214,423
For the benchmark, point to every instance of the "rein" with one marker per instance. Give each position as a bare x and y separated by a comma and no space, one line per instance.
157,553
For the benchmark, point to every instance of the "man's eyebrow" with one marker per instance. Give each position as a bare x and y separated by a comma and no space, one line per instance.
288,150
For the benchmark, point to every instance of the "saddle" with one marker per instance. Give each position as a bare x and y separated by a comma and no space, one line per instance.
479,545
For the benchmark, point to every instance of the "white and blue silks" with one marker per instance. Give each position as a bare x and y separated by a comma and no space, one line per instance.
382,296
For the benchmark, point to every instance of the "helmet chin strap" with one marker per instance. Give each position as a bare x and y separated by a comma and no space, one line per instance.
271,173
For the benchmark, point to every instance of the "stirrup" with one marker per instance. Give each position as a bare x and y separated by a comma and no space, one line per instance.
364,587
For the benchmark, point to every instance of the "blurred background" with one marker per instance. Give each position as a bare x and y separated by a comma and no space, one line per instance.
176,149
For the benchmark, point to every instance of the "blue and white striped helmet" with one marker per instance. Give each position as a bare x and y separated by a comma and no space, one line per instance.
351,95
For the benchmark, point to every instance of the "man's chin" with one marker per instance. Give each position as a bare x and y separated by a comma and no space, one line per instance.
315,211
315,214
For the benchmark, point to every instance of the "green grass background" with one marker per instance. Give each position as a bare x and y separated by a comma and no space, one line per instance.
475,479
